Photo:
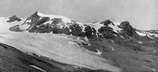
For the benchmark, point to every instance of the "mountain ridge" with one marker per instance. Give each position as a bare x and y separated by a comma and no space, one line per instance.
44,23
122,46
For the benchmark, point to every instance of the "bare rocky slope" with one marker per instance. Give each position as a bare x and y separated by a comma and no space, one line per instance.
53,43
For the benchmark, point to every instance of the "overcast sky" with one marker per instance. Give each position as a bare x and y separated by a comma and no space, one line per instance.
141,13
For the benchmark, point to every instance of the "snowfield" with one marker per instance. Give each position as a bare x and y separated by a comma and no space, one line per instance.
61,48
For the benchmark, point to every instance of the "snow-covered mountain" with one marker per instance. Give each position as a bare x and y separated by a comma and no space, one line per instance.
58,47
56,43
43,23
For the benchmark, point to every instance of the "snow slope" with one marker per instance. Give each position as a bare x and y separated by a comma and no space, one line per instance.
57,47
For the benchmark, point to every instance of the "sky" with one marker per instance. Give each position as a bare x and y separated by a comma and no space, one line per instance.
142,14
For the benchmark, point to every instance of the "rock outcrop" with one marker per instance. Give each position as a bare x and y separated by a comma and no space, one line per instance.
13,18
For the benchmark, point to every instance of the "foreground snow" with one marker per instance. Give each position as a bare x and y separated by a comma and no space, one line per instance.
61,48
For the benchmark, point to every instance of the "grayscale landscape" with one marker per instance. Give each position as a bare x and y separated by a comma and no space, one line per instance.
78,36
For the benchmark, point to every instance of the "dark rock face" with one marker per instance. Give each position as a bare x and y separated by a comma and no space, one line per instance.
41,29
76,30
15,28
107,32
13,19
34,18
42,20
89,31
128,30
33,21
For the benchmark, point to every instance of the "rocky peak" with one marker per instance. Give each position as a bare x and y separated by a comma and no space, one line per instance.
13,19
127,30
